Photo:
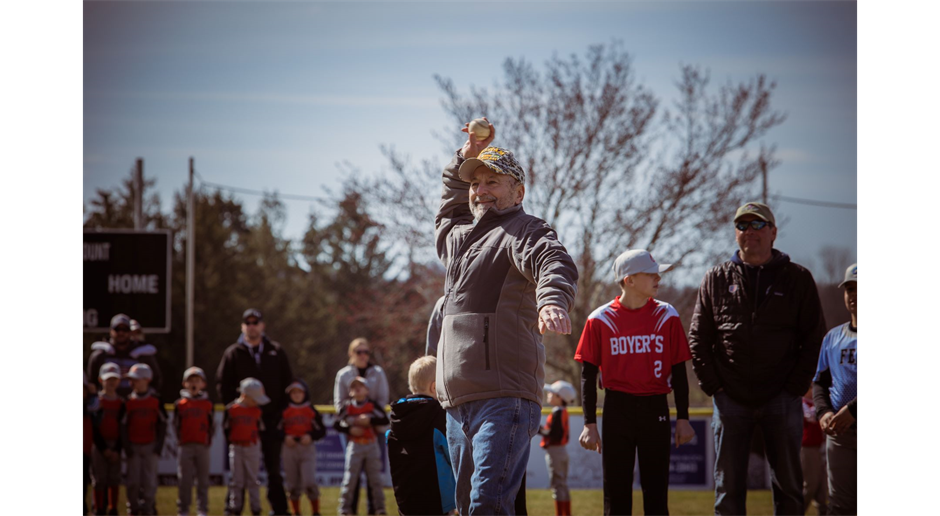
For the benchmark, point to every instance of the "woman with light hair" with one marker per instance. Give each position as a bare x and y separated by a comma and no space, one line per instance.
360,364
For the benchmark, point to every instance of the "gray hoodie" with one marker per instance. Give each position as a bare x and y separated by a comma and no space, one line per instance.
500,272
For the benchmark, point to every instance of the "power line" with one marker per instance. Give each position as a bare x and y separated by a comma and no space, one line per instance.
825,204
235,189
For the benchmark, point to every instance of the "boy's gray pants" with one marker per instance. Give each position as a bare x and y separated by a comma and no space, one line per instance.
103,473
556,458
193,464
359,457
842,458
245,462
300,470
142,479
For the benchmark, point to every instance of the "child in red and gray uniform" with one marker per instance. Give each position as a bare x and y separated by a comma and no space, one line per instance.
144,430
302,425
243,425
554,439
106,435
89,408
358,418
194,429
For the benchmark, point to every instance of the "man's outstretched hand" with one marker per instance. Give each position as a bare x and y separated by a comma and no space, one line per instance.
553,318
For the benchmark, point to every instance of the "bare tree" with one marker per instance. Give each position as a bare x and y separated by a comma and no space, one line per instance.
603,166
834,262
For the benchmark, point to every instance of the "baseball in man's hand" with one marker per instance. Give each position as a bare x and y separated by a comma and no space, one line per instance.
480,128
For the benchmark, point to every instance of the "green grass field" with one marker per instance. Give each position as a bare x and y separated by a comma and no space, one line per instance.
584,502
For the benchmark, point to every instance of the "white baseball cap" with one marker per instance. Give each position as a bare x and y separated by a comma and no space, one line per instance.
851,274
140,371
194,371
563,389
637,261
109,370
254,389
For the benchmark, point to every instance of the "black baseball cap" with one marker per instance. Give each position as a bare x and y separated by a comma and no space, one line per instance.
120,319
252,312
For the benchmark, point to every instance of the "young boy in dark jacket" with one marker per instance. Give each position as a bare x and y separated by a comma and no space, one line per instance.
422,474
302,425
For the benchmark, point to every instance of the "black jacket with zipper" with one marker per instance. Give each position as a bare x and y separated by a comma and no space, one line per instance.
274,373
755,352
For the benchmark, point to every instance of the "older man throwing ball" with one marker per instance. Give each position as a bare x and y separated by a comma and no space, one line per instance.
508,281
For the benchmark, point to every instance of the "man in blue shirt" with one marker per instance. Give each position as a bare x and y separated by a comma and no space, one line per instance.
835,394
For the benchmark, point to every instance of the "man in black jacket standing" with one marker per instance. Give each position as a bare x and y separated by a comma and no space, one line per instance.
755,338
256,356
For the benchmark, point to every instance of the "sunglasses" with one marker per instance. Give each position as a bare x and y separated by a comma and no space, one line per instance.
362,351
122,328
252,322
756,225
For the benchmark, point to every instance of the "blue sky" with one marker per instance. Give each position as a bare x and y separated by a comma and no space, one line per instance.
273,95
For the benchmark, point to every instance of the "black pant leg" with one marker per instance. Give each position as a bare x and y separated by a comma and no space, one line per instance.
87,464
355,494
521,509
618,446
271,455
653,451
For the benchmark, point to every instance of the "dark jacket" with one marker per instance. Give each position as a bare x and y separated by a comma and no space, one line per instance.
754,352
103,352
422,474
500,272
274,373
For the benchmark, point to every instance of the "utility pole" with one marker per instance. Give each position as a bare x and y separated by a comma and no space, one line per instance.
139,195
190,265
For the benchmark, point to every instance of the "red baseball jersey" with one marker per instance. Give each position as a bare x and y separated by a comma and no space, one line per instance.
195,420
298,419
142,416
110,423
560,413
243,424
367,408
634,349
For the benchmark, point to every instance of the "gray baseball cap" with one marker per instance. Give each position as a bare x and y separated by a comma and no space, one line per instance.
851,275
252,312
109,370
140,371
254,389
636,261
120,319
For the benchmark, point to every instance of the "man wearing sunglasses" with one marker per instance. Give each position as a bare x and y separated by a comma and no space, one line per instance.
125,352
255,355
755,338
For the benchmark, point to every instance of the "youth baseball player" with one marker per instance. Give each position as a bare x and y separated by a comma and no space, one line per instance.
639,345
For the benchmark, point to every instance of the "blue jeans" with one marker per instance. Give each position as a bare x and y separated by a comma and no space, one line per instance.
489,448
781,423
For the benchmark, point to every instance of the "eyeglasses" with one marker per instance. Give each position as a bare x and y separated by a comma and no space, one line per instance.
122,328
362,352
756,225
252,322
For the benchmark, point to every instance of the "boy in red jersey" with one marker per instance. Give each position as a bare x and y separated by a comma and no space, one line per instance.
358,418
106,434
554,441
192,415
86,443
639,344
243,424
302,425
143,432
